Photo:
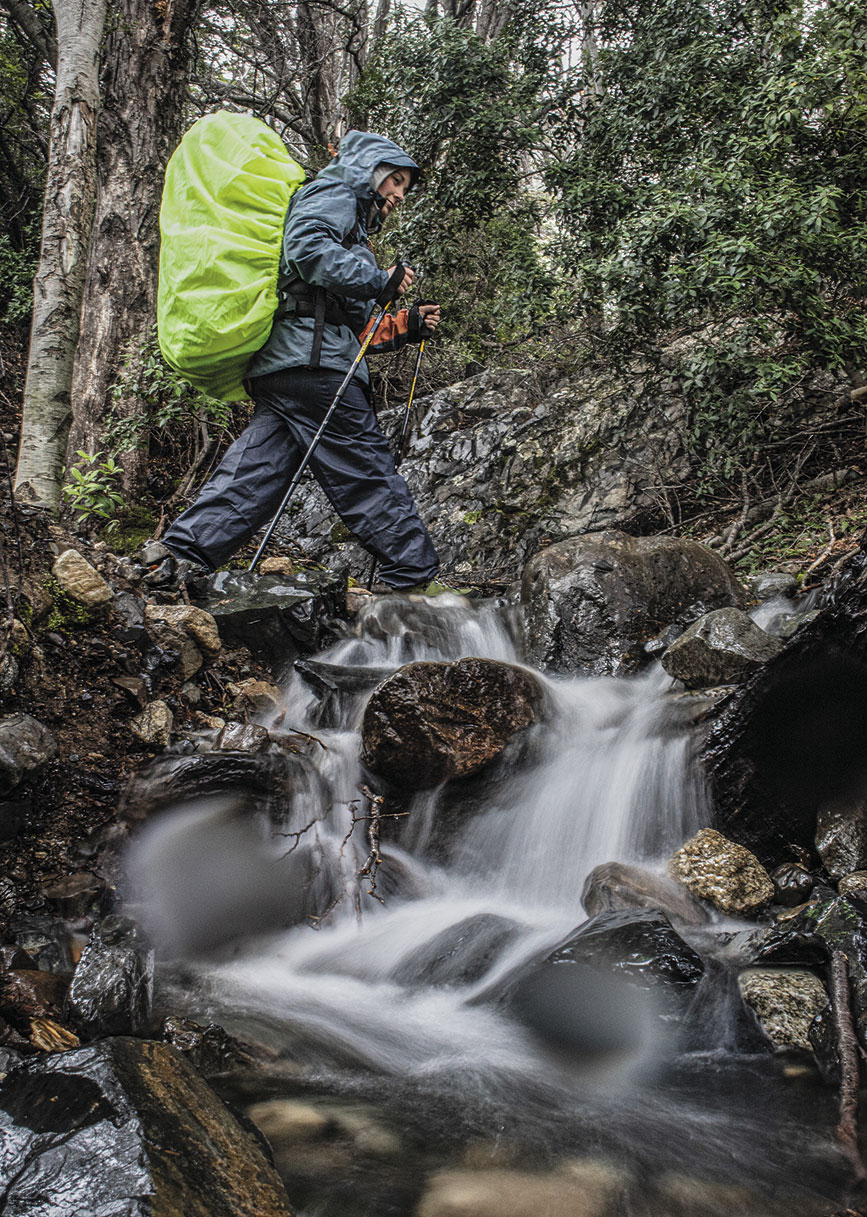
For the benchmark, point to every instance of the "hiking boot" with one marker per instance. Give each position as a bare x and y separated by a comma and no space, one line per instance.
175,574
435,588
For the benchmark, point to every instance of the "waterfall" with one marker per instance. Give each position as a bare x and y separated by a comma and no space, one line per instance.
395,985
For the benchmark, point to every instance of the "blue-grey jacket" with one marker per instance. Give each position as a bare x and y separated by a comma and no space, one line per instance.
325,245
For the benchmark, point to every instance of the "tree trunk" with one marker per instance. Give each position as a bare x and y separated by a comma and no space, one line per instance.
66,225
145,77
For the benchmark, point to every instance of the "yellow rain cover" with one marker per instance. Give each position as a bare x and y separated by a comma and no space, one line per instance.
227,189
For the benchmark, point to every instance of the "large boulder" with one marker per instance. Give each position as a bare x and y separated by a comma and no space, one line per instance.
127,1126
720,648
592,602
793,737
616,886
431,722
275,614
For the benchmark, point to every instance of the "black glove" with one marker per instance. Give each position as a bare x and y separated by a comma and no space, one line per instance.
390,291
417,331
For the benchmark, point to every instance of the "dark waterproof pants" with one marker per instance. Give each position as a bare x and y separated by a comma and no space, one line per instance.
352,463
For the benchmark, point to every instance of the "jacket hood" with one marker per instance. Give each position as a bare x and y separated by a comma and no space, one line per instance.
360,152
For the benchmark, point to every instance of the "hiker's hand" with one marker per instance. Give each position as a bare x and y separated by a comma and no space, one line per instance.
406,281
430,315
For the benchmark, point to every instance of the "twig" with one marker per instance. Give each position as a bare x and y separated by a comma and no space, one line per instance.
825,552
847,1051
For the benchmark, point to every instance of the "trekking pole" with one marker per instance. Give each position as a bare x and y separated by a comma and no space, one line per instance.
338,397
398,450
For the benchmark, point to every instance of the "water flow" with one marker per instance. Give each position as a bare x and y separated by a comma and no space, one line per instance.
605,776
401,986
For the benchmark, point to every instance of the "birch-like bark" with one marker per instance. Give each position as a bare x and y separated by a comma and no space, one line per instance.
59,283
145,68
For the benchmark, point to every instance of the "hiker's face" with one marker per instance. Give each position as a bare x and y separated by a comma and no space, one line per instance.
393,190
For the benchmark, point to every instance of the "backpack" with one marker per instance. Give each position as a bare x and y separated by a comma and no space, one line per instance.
226,193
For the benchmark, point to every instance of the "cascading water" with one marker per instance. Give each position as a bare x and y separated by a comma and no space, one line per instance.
389,998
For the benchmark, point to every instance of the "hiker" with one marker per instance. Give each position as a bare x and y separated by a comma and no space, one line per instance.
328,285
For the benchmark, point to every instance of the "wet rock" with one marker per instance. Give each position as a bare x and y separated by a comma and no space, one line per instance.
81,581
74,895
841,836
767,585
786,625
583,1189
262,780
26,994
169,622
209,1049
642,946
112,989
128,1122
242,737
811,934
728,875
135,689
128,612
719,1020
721,648
337,685
615,886
154,725
786,1002
255,696
794,736
854,887
431,722
25,748
44,940
460,955
275,614
663,640
592,602
792,884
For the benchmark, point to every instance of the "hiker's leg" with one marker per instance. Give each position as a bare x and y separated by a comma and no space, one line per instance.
243,494
354,466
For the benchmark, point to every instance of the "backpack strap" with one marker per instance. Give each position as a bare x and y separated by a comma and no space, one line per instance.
319,308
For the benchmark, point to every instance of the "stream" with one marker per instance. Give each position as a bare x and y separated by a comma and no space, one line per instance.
397,1013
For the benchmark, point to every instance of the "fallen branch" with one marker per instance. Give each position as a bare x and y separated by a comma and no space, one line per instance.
847,1051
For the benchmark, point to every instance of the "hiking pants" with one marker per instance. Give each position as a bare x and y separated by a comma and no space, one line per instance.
352,463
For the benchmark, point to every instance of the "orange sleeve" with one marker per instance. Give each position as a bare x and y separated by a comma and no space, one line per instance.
393,332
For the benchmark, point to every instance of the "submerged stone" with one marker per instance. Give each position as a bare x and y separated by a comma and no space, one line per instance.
431,722
460,955
615,886
127,1127
728,875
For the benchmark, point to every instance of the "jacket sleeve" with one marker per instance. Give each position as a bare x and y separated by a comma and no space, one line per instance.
320,219
393,333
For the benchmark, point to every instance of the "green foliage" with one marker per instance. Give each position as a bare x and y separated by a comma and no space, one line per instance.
17,268
171,405
93,489
713,182
468,111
